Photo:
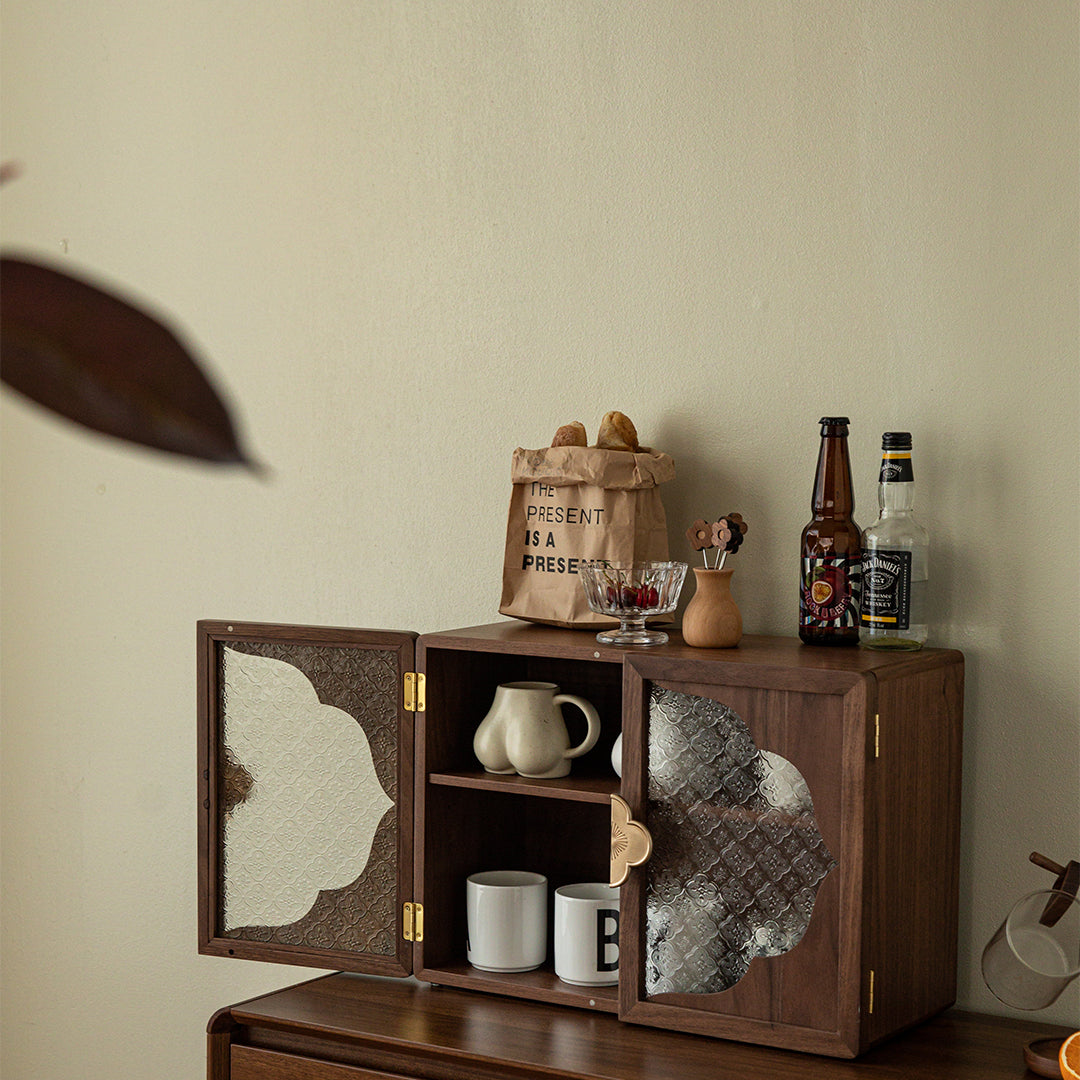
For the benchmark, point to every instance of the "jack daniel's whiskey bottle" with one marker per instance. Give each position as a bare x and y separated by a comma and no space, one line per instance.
831,547
895,549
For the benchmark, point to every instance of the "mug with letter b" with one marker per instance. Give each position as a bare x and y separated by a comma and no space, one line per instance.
587,934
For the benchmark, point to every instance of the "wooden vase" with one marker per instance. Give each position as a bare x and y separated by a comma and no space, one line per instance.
712,619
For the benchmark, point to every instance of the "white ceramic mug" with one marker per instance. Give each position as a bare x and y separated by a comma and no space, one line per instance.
506,920
587,934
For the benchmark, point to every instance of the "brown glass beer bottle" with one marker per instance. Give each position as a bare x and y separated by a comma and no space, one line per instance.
831,548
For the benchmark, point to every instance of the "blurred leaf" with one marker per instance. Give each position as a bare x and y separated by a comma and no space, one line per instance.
90,356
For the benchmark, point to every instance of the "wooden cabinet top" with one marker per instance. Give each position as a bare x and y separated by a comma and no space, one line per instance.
362,1021
755,649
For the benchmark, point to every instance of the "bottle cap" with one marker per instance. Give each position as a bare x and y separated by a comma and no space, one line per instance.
834,421
896,440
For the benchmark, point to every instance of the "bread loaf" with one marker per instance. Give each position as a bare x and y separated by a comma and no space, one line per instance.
571,435
617,432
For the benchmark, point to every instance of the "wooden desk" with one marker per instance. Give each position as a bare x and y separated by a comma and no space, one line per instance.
354,1027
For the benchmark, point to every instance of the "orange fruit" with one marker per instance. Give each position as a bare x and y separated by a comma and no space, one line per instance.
1069,1057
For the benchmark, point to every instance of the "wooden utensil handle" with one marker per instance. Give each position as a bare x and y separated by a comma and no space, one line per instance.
1045,863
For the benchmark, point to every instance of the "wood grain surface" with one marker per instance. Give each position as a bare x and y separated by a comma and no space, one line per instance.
401,1028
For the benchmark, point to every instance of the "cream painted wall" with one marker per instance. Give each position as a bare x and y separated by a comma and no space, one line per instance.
411,236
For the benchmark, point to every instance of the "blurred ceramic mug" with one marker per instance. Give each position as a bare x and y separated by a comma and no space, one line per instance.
1035,953
587,934
506,920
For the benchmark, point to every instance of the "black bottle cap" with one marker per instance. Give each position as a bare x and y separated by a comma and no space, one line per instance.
896,440
834,421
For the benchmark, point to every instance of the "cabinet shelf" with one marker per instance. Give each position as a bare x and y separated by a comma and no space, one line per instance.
539,985
590,789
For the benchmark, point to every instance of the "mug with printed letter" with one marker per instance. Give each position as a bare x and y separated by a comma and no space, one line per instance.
506,920
587,934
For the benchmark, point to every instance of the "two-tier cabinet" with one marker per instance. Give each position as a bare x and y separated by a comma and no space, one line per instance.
798,806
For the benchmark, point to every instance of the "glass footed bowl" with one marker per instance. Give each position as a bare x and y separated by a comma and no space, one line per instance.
632,593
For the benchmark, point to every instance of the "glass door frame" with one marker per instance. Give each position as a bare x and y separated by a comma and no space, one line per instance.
848,703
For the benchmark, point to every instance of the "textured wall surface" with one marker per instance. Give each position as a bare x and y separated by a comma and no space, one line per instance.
410,237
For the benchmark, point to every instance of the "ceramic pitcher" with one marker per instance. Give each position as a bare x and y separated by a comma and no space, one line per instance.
524,731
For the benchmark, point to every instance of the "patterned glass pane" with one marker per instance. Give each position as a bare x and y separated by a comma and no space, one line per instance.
307,789
737,856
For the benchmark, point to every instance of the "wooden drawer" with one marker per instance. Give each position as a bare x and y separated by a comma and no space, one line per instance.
249,1063
344,1027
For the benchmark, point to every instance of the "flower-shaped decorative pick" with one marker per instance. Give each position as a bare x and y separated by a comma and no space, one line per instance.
725,535
700,535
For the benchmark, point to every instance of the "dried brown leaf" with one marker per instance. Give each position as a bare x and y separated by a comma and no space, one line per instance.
94,358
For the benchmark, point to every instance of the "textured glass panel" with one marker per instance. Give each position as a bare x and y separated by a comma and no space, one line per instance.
307,786
737,856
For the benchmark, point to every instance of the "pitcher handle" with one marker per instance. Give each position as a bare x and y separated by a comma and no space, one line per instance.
591,716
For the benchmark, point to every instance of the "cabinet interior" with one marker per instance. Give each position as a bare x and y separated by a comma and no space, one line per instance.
474,821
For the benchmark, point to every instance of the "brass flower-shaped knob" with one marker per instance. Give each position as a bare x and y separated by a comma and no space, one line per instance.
631,842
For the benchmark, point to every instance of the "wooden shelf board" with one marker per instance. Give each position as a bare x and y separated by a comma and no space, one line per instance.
539,985
593,789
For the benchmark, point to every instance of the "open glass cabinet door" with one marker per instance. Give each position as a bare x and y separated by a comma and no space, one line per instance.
306,795
744,921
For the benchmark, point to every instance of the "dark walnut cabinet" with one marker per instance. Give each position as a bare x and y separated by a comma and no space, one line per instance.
802,805
354,1027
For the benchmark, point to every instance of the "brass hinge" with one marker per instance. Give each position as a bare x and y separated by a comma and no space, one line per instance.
415,691
870,1006
413,922
877,735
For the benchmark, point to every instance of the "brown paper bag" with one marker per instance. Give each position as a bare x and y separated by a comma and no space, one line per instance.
571,503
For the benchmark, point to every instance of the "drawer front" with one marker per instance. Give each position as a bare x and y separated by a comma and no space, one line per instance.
249,1063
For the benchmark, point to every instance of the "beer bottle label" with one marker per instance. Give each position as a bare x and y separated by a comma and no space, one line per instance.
830,590
886,595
